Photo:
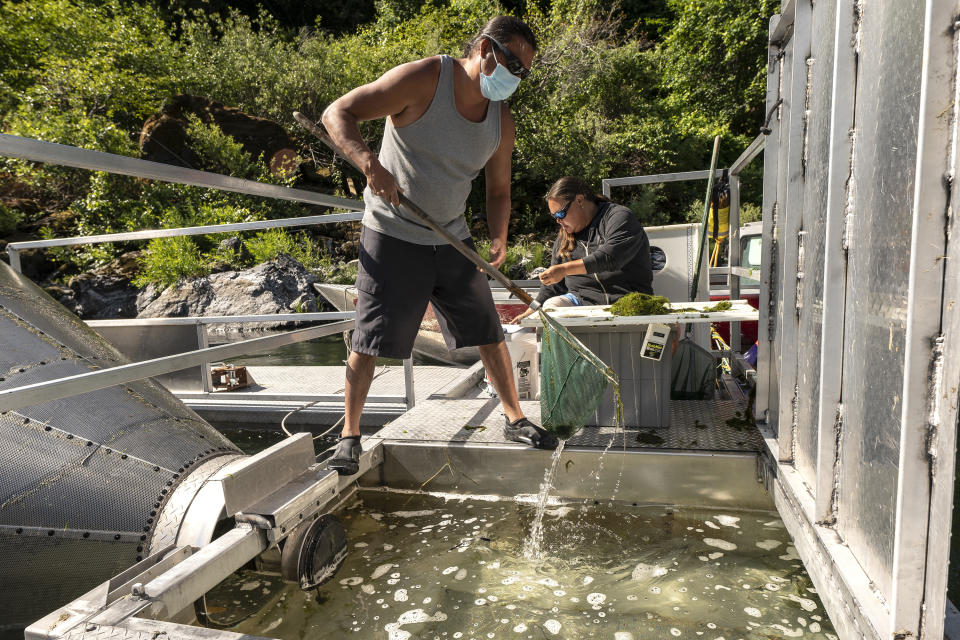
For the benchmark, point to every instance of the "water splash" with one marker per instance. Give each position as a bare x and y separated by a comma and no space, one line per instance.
618,430
532,547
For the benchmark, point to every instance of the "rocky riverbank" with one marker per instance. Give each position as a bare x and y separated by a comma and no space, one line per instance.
282,285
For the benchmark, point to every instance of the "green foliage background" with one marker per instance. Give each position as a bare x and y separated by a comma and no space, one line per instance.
638,88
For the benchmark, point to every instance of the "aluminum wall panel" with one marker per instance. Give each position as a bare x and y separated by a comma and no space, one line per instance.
816,162
147,342
879,239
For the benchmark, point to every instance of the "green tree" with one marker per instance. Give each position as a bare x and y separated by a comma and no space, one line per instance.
713,63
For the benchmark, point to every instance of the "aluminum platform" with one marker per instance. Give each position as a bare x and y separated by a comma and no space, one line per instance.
702,425
281,389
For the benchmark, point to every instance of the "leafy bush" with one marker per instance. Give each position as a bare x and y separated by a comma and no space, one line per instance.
750,212
534,252
269,244
167,260
9,219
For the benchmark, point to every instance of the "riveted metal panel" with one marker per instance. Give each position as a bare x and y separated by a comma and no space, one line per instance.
77,563
82,479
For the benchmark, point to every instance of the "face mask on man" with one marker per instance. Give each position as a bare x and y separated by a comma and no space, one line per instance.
499,85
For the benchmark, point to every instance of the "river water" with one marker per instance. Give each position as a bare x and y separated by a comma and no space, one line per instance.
424,566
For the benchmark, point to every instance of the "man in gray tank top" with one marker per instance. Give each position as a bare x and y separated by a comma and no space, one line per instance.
446,120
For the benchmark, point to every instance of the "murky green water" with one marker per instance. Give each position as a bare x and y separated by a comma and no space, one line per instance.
428,567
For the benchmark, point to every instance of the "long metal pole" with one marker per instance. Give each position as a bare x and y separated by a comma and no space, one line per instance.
150,234
703,222
733,255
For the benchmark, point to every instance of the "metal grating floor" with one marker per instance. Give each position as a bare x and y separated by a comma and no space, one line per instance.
695,425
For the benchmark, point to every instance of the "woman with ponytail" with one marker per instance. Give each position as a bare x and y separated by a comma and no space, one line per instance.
601,252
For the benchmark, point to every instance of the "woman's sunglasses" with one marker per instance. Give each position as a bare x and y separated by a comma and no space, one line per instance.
513,65
562,213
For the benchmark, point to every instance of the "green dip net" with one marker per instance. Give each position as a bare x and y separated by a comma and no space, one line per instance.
572,381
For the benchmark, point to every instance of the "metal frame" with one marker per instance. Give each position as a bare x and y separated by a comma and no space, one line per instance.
37,393
767,396
928,415
204,320
48,152
656,178
751,152
734,270
39,151
409,397
787,223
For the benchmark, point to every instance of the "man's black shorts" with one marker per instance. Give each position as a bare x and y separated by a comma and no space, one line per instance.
396,280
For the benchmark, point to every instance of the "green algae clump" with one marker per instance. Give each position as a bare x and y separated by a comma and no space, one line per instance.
641,304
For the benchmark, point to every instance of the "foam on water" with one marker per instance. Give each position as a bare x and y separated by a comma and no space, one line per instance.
768,544
381,570
610,571
414,514
720,544
728,521
644,572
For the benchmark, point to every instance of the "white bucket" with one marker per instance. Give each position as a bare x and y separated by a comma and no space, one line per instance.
524,360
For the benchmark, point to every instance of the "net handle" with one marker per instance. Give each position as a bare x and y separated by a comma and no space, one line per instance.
422,215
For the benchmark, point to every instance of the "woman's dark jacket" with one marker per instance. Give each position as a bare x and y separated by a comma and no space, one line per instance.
616,253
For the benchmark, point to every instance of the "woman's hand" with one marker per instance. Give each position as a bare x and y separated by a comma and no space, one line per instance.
527,312
554,274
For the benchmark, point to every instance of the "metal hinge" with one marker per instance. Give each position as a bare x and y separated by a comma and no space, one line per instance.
847,236
771,299
795,407
805,137
799,303
936,386
847,229
830,519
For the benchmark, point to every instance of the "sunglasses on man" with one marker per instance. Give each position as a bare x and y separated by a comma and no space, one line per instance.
562,213
513,65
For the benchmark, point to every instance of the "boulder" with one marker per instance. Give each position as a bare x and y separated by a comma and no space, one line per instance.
103,293
164,135
271,287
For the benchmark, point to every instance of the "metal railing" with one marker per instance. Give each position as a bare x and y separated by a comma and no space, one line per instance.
59,154
734,270
39,392
50,153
